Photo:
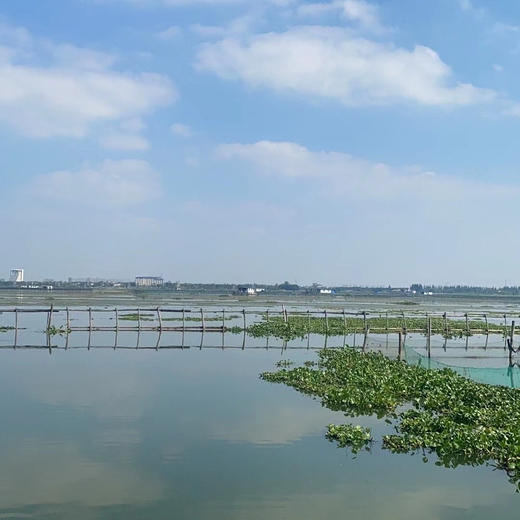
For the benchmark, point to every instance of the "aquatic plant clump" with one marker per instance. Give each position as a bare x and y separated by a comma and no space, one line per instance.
151,317
459,420
6,329
347,435
57,331
299,326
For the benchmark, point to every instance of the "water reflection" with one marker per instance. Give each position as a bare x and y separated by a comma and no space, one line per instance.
195,434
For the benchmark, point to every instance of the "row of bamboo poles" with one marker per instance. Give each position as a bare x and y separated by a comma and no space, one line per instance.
142,316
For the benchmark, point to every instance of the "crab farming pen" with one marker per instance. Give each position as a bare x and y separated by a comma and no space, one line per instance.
279,323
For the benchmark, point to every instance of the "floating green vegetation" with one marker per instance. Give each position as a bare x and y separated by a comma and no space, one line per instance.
347,435
284,363
299,326
6,329
210,318
151,317
458,420
137,317
57,331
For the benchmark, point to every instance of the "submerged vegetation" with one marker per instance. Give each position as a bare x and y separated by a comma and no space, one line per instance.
57,331
299,326
5,329
437,411
151,317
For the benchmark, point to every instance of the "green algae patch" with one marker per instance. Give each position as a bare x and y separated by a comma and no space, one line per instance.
460,421
6,329
299,326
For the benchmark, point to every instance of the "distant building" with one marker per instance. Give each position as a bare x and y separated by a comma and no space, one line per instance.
16,275
250,291
325,291
149,281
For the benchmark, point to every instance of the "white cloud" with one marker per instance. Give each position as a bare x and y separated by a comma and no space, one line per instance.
341,173
125,142
184,3
238,26
364,13
181,130
113,183
76,89
170,33
330,62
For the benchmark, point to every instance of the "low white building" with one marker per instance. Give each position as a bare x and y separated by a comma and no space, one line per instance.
148,281
16,275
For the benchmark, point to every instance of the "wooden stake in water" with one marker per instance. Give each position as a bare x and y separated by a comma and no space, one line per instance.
445,316
202,319
326,323
68,319
159,318
487,326
505,331
400,351
429,336
467,324
15,327
49,319
365,339
183,321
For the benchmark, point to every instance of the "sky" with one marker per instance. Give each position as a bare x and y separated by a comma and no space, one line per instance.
340,142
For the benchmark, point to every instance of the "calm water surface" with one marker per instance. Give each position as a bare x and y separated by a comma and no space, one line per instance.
195,434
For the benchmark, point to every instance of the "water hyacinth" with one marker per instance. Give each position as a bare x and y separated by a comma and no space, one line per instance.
458,420
299,326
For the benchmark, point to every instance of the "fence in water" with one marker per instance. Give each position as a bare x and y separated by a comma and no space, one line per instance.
66,321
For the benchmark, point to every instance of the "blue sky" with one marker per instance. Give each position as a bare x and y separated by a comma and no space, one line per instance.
342,142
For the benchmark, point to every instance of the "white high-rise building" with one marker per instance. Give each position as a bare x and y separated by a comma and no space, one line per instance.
16,275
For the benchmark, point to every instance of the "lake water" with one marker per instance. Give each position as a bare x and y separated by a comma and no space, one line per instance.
194,433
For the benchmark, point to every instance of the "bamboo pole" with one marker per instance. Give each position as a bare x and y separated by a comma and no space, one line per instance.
202,320
15,327
429,337
159,318
505,331
326,323
49,319
400,351
365,339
